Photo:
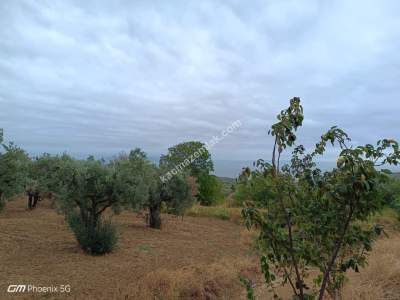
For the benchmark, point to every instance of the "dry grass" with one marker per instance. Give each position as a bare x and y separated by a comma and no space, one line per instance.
191,258
381,278
218,212
215,281
37,247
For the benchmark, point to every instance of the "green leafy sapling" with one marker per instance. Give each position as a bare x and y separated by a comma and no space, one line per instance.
314,220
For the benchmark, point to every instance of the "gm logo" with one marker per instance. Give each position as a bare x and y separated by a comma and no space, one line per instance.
16,288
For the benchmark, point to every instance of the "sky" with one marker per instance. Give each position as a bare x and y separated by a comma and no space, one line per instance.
103,77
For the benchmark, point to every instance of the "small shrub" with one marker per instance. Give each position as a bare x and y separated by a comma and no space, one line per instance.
210,190
390,191
396,207
223,213
249,288
95,241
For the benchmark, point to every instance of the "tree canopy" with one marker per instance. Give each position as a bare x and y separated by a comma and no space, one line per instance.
145,189
192,157
13,171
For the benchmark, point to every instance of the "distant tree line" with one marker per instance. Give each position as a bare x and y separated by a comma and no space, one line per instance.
83,190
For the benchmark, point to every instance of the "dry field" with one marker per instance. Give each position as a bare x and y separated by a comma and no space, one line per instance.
193,258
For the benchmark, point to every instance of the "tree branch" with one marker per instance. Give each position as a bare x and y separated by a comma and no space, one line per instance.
334,255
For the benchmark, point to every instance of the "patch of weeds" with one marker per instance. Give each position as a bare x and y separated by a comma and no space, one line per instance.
145,248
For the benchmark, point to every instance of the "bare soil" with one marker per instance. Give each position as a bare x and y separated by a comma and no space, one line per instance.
38,248
190,258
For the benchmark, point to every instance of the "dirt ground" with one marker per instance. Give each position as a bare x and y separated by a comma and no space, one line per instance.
38,248
190,258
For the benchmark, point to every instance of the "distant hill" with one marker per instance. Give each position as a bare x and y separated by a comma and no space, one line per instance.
396,174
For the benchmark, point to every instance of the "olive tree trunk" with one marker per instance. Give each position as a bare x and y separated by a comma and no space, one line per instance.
36,197
2,204
155,216
30,200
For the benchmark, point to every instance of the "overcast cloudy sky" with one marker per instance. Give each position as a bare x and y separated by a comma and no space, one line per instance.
105,76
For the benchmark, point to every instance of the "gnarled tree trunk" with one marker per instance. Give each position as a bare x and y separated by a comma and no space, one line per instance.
30,200
155,216
36,197
2,204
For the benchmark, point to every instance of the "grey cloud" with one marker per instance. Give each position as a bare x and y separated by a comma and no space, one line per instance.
101,76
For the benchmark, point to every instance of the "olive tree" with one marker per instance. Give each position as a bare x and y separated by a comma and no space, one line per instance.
176,194
91,186
144,188
86,188
50,172
13,171
313,220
